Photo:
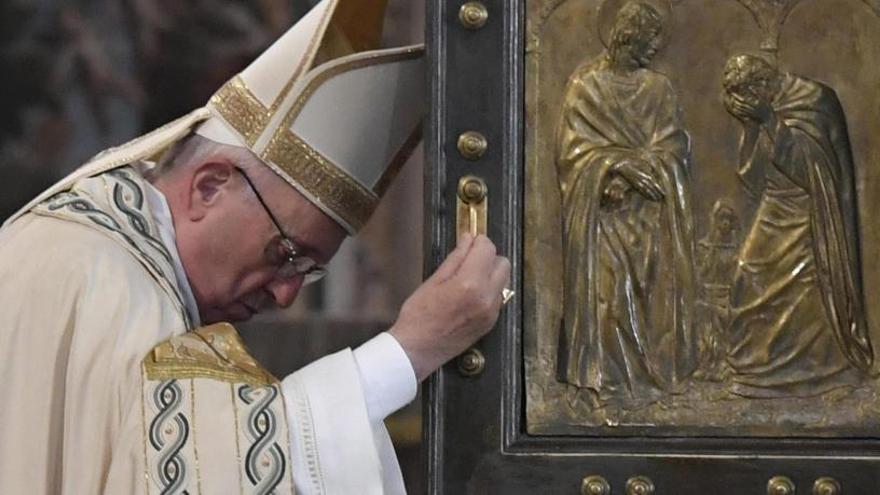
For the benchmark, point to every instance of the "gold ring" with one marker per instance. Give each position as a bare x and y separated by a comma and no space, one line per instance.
507,295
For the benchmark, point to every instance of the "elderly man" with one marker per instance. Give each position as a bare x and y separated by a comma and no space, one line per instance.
798,323
113,382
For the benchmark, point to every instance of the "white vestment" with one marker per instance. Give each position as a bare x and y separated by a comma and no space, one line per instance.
108,389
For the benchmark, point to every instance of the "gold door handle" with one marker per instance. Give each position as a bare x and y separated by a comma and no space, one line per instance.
472,206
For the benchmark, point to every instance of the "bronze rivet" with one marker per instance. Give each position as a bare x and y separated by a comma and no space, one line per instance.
472,362
595,485
780,485
827,486
472,189
472,145
473,15
639,485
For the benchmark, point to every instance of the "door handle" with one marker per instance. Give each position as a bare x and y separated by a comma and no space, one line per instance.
472,207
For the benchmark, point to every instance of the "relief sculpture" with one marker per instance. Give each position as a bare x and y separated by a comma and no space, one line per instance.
705,203
798,325
628,333
716,265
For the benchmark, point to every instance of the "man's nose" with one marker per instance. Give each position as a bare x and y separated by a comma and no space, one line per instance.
285,291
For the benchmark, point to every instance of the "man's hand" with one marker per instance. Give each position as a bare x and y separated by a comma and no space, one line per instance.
638,174
456,306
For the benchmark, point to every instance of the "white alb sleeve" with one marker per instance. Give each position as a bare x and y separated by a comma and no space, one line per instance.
335,409
387,376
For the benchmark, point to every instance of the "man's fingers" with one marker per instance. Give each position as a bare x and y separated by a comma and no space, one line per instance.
453,261
479,260
500,278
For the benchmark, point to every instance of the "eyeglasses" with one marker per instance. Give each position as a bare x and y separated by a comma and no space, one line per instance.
284,253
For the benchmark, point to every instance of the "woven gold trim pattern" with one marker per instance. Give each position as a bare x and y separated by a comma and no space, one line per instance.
327,182
214,352
241,109
321,178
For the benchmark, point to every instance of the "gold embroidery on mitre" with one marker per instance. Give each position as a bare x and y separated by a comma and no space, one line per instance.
328,183
323,179
214,352
241,109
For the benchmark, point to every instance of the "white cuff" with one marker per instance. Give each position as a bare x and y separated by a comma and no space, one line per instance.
332,443
387,376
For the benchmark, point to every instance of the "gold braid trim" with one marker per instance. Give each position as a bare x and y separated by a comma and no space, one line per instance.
326,182
216,352
241,109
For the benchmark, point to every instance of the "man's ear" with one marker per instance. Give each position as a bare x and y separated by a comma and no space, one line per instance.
209,182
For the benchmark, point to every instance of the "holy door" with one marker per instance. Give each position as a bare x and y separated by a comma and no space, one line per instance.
688,192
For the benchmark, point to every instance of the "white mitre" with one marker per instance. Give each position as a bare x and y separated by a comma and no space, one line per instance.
337,131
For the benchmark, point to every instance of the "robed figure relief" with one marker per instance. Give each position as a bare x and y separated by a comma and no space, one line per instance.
716,261
629,292
798,326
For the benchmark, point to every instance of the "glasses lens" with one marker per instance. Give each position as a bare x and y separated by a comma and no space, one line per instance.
288,271
304,264
290,264
317,273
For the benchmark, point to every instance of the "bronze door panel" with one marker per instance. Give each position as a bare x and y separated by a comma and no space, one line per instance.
686,190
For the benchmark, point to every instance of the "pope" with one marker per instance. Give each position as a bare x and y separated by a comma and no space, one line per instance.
121,373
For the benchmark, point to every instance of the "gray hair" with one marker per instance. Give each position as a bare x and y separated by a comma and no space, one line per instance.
194,149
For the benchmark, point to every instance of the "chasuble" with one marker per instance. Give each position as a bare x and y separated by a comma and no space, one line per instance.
114,388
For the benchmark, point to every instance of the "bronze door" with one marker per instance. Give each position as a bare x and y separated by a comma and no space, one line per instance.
687,191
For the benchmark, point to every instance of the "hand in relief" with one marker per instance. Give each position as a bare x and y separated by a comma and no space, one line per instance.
638,174
750,110
456,306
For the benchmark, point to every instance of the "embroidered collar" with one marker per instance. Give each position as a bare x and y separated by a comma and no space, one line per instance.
115,203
